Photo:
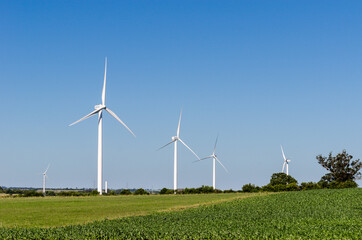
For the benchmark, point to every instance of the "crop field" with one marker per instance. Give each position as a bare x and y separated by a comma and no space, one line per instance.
314,214
61,211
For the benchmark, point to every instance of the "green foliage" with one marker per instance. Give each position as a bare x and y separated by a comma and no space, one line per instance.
202,189
141,191
319,214
309,186
94,193
166,191
125,192
339,185
281,179
249,188
70,193
50,193
292,187
341,167
228,191
31,193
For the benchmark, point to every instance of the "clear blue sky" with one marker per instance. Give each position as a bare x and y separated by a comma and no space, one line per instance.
259,73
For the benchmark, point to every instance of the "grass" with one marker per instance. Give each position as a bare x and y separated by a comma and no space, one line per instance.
314,214
61,211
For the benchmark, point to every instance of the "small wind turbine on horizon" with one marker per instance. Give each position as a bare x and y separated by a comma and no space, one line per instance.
214,159
99,109
286,162
175,139
44,177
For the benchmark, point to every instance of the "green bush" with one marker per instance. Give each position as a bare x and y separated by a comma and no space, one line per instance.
349,184
281,179
205,189
141,191
229,191
69,193
249,188
125,192
94,193
309,186
292,187
50,193
31,193
111,192
323,184
268,188
280,188
338,185
166,191
190,191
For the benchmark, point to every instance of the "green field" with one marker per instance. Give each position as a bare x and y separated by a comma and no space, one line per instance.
314,214
61,211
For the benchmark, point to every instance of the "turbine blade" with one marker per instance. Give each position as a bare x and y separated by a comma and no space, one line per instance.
216,143
189,148
283,167
206,157
47,169
179,123
203,159
119,120
104,84
166,145
89,115
283,152
222,165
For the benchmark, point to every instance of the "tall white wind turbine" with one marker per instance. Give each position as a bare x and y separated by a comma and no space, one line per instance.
175,139
286,162
99,109
44,177
214,159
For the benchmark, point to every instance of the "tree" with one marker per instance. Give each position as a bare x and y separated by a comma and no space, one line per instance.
341,167
125,192
281,179
141,191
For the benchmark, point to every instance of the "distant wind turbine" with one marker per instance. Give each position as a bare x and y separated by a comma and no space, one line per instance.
99,109
214,159
44,177
286,161
175,139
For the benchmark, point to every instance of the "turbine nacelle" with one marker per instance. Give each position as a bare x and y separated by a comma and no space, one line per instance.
174,138
99,107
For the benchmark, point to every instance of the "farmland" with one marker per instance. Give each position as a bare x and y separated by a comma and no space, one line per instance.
315,214
60,211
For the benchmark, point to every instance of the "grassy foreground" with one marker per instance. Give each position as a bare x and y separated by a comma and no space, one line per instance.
315,214
61,211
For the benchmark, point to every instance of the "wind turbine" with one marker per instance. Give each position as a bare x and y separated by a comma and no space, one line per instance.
44,177
99,109
286,161
214,159
175,139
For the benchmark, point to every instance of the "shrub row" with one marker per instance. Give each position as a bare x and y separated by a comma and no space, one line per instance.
294,187
202,189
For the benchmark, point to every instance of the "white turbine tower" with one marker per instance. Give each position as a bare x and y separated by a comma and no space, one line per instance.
99,109
286,161
44,177
175,139
214,159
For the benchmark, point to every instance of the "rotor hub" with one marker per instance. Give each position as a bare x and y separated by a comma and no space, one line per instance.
99,106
